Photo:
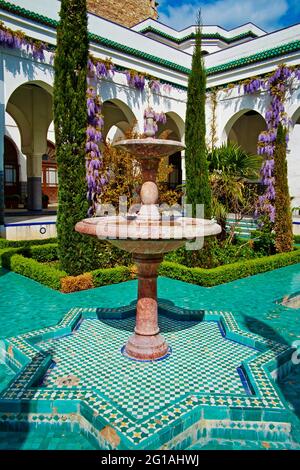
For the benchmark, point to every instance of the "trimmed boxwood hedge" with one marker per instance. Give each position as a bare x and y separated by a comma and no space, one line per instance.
228,272
24,243
33,269
102,277
27,261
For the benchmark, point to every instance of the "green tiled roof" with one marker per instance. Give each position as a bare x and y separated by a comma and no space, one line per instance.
244,61
150,29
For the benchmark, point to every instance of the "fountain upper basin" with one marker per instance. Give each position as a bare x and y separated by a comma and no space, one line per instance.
144,148
140,236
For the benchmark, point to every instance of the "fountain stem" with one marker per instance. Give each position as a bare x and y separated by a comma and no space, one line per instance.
146,342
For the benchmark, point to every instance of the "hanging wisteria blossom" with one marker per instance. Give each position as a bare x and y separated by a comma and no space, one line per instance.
100,68
135,79
96,179
277,85
18,40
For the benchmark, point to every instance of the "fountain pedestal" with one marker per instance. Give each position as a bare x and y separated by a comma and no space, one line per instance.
147,343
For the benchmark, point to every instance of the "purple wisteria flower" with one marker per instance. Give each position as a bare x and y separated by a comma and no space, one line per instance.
17,40
94,178
135,79
277,85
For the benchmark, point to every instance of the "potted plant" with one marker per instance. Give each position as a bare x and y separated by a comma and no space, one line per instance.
45,201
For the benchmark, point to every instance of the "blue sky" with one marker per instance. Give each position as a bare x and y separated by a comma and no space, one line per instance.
267,14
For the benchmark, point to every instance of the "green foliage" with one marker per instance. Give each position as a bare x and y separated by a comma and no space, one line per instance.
102,277
220,253
230,272
17,260
297,239
231,168
33,269
283,215
198,189
231,159
264,238
18,243
109,256
43,253
76,252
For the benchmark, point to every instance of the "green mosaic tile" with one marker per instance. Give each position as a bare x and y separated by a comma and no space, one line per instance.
146,403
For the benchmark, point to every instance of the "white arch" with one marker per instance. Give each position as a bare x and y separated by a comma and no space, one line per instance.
233,119
180,124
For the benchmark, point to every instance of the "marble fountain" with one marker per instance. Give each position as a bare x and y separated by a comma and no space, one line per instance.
217,389
148,236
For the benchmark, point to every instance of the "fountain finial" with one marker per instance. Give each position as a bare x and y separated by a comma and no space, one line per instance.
150,126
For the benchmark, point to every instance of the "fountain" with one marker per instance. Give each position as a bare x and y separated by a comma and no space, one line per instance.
148,236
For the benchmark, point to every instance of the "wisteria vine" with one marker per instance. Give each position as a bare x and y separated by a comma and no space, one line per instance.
277,85
18,40
95,177
157,118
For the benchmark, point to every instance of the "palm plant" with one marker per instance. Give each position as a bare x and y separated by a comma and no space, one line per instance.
230,169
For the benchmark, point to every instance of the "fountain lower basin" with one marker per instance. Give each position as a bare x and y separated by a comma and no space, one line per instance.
147,237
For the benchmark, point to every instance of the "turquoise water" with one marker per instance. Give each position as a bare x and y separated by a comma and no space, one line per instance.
26,305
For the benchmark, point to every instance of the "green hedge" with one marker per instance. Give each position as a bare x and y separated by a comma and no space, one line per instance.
33,269
25,243
40,253
228,272
17,260
297,239
102,277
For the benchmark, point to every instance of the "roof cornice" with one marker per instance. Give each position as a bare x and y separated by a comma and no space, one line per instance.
272,53
247,34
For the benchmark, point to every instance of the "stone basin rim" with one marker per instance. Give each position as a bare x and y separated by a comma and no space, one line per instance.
150,148
131,230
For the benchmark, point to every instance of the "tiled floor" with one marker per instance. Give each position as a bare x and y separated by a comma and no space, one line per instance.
202,362
216,371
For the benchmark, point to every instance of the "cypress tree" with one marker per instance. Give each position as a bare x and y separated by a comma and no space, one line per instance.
283,214
76,252
198,190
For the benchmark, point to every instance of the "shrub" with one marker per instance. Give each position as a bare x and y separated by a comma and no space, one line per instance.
102,277
77,283
264,240
229,272
22,243
39,253
283,216
297,239
42,253
33,269
220,253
